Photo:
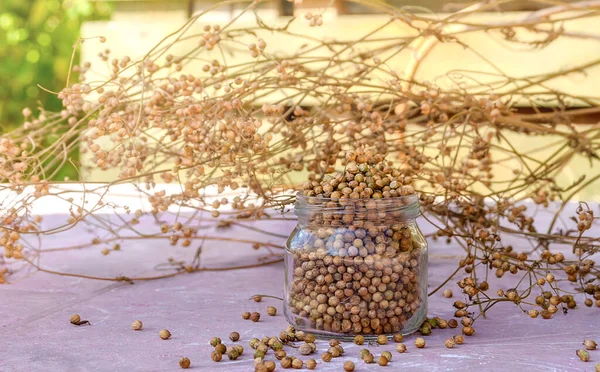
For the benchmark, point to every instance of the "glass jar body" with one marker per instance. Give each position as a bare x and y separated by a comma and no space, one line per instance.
363,275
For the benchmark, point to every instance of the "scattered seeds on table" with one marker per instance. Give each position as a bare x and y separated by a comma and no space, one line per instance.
215,341
388,355
458,339
401,348
254,342
363,352
246,315
257,298
583,355
261,355
286,362
297,363
452,323
382,339
184,363
420,342
280,354
334,342
164,334
137,325
450,343
597,368
311,364
310,338
271,310
255,317
398,337
442,323
447,293
359,340
590,344
234,336
216,356
348,366
382,361
300,335
368,358
326,357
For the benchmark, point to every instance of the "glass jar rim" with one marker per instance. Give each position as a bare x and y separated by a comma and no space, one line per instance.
407,205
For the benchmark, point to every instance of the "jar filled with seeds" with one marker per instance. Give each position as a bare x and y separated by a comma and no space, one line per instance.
356,263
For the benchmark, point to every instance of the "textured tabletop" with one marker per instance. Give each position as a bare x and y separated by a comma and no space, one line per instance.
35,333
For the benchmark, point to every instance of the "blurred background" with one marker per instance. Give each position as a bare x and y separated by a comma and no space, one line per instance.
37,38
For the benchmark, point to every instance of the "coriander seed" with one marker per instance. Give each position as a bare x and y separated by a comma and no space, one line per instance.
260,354
590,344
597,368
335,352
184,363
216,356
257,298
458,339
382,361
368,358
583,355
401,348
137,325
311,364
255,317
447,293
334,342
286,362
398,337
271,310
280,354
297,363
270,365
382,339
232,353
215,341
246,315
75,319
309,338
326,357
420,342
239,348
388,355
305,349
364,352
468,331
164,334
348,366
450,343
221,348
234,336
452,323
359,340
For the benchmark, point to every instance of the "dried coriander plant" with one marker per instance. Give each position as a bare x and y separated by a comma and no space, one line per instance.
232,114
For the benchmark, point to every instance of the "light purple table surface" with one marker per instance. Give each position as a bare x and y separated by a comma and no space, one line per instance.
35,333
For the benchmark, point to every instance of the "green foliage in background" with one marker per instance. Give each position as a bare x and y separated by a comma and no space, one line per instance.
36,44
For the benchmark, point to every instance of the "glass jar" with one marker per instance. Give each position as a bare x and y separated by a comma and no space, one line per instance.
356,266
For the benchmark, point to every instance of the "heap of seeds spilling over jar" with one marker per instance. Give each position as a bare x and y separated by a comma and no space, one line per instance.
356,262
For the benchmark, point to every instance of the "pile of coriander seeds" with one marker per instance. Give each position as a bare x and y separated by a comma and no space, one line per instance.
357,263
